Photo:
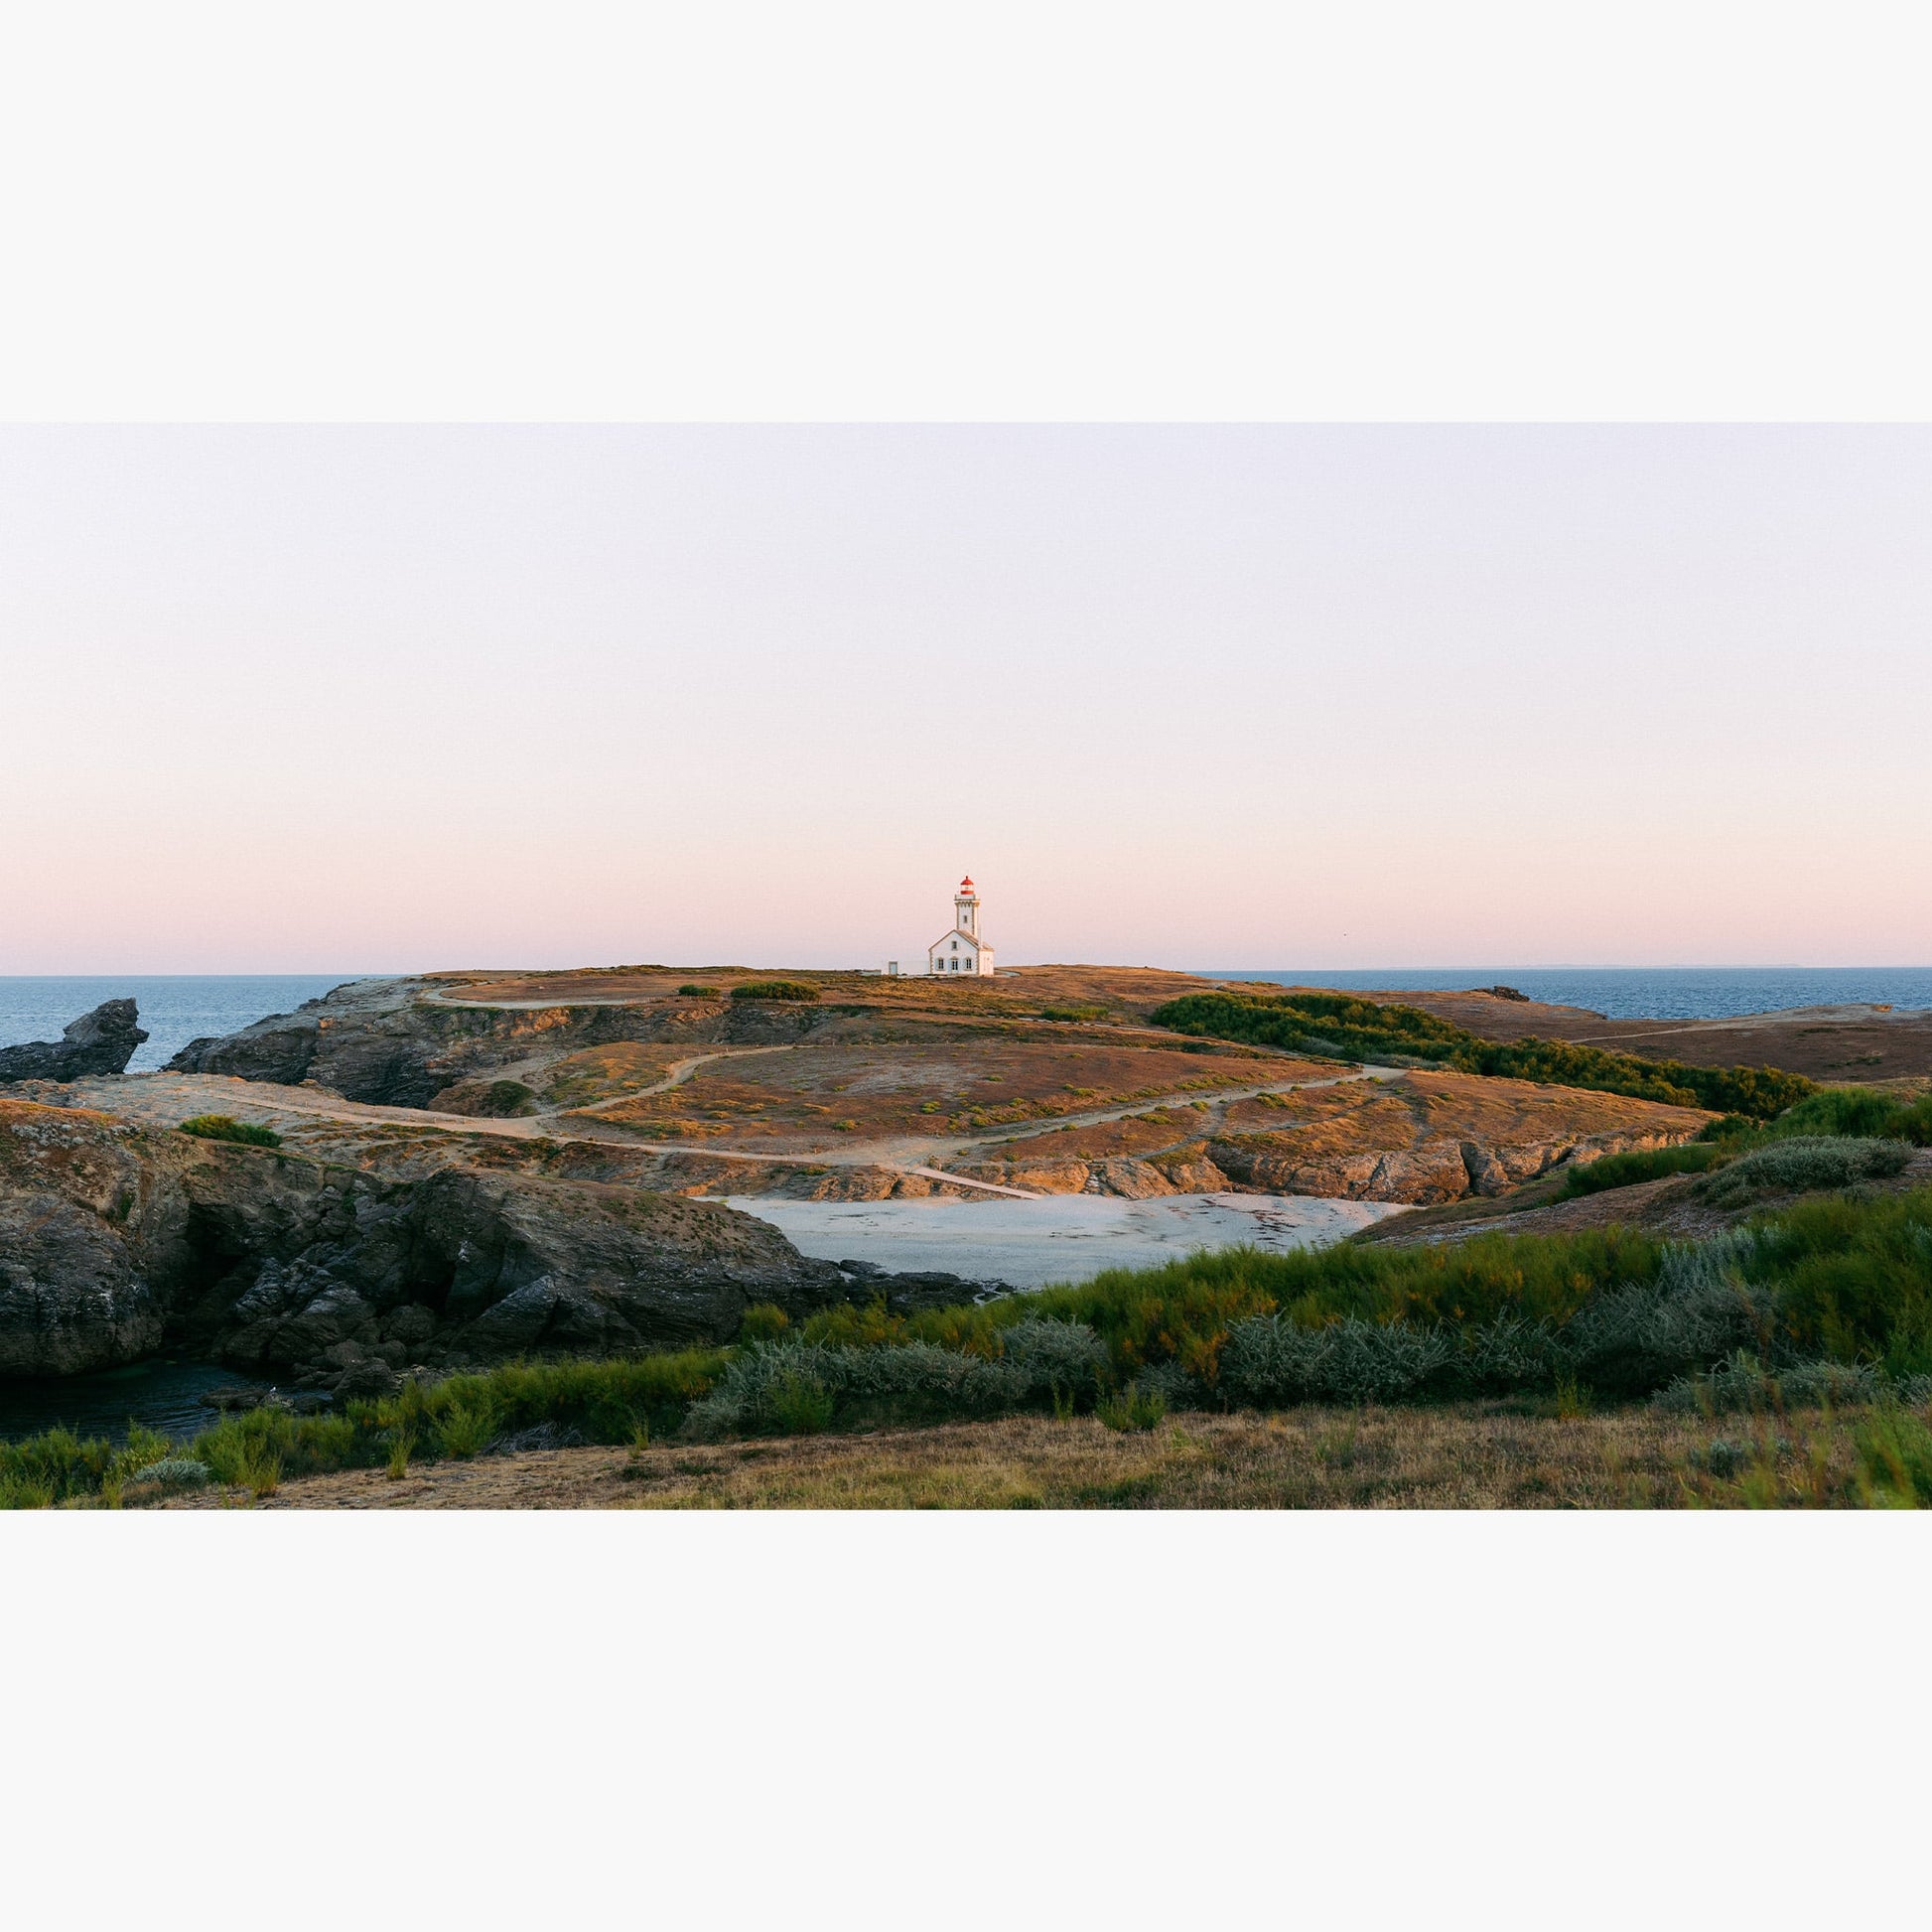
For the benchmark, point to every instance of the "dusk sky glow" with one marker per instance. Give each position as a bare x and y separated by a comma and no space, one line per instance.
319,699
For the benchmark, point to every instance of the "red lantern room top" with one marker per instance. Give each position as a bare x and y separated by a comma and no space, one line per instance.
965,884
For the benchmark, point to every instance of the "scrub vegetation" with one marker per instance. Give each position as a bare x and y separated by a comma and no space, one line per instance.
1827,1300
1639,1164
1334,1026
223,1127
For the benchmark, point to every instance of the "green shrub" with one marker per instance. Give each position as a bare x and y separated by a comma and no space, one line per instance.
466,1428
605,1401
173,1472
797,990
1638,1165
1337,1026
1859,1112
1792,1167
799,1406
695,992
244,1450
1894,1451
1742,1384
498,1100
763,1321
1131,1408
221,1127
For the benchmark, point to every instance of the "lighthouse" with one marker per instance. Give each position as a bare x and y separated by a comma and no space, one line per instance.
964,948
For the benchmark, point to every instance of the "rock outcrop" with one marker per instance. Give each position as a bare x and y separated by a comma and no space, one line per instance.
93,1235
382,1042
100,1041
115,1239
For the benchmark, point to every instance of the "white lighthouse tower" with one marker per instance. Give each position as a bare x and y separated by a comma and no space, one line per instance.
963,949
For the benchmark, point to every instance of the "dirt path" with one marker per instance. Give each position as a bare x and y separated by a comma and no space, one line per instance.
167,1099
680,1071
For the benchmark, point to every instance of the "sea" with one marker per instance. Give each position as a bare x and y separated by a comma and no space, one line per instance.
1639,992
175,1008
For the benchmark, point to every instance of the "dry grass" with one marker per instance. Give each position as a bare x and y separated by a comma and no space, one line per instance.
1469,1457
934,1082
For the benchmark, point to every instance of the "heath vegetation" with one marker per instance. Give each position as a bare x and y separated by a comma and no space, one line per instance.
1341,1027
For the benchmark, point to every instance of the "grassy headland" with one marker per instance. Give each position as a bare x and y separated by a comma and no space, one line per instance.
1343,1027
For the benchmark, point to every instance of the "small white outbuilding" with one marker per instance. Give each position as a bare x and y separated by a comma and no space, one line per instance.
962,950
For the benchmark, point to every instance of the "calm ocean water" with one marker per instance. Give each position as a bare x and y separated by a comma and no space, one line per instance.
175,1008
1647,992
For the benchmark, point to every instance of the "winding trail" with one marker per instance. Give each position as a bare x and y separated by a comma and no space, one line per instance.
167,1099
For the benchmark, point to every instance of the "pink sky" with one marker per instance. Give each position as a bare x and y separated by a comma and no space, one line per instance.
346,699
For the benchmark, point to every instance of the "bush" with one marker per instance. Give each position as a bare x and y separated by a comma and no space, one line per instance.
1338,1026
1696,1309
1743,1385
695,992
466,1428
798,1406
763,1321
791,1385
797,990
1638,1165
488,1099
1853,1279
1269,1362
1132,1408
1861,1113
605,1402
1794,1166
1895,1461
256,1448
174,1473
221,1127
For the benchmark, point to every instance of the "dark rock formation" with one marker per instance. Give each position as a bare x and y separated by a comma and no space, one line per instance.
101,1041
278,1049
93,1233
381,1042
114,1239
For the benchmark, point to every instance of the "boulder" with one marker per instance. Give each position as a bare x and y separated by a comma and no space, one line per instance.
367,1382
100,1041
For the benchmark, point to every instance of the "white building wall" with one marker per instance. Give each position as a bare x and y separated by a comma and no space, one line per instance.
974,960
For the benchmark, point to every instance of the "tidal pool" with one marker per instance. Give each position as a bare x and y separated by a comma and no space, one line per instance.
1059,1238
165,1396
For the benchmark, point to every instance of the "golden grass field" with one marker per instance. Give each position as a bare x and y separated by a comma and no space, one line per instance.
1470,1455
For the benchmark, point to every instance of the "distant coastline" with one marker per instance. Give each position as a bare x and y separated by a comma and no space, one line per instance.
1638,992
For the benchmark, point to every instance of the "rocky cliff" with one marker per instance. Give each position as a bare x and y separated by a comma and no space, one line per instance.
100,1041
385,1043
114,1238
